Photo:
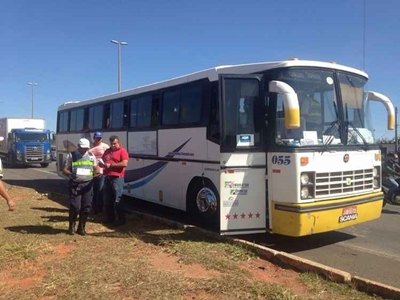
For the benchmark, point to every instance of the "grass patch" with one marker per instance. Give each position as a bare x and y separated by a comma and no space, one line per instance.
211,254
331,290
17,251
39,260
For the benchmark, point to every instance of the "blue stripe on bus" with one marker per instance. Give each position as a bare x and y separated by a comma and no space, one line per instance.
144,175
145,181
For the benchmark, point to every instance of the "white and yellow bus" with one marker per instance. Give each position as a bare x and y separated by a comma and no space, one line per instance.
281,146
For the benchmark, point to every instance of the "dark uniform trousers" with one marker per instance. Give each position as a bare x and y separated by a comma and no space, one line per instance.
80,199
80,195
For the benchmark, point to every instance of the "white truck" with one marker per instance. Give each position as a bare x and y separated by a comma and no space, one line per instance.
26,142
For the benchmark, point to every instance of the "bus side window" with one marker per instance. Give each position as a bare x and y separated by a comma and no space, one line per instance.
106,120
155,110
86,127
170,107
125,121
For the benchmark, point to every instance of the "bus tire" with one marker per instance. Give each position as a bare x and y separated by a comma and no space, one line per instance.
203,203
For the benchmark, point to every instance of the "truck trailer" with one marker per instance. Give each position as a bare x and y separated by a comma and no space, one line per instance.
26,142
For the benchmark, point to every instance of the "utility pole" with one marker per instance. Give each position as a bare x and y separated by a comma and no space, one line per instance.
32,84
119,61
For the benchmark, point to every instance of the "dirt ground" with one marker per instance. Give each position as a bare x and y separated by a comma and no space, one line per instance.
144,259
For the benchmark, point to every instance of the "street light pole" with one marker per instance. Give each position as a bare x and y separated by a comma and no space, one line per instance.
32,84
119,43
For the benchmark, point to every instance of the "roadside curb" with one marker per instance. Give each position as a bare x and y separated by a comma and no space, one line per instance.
373,287
294,262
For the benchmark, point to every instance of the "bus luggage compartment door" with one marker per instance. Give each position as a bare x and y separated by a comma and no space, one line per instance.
243,204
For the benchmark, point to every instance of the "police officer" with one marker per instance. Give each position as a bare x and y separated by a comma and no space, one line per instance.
79,167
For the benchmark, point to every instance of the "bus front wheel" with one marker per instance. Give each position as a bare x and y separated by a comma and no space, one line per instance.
203,203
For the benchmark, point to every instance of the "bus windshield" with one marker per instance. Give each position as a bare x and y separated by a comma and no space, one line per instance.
331,109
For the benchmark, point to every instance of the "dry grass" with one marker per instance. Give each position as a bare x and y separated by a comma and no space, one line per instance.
145,259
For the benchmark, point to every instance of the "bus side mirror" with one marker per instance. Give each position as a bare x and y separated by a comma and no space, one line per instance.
374,96
290,101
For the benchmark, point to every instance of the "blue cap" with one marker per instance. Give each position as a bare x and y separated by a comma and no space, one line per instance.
97,134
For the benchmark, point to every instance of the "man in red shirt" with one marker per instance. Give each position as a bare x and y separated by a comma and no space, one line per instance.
114,161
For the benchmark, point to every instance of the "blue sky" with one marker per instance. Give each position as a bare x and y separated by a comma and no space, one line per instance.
64,45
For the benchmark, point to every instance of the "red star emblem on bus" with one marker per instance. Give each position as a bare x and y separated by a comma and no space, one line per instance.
243,215
258,215
250,215
227,216
235,216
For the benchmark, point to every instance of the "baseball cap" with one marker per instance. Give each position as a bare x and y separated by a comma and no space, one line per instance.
84,143
97,134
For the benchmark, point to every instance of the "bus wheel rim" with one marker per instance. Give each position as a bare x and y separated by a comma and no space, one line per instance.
206,200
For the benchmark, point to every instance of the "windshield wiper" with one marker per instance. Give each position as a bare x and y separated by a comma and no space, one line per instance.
355,130
332,129
358,133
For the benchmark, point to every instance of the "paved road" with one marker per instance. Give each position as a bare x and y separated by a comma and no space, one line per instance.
41,179
370,250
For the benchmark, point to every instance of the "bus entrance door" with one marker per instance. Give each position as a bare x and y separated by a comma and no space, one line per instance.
242,162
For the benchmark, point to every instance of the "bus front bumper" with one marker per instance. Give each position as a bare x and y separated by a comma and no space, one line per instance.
323,216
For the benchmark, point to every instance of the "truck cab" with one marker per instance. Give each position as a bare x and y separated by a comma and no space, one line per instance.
27,146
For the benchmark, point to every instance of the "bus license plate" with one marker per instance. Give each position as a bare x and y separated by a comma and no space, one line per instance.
348,214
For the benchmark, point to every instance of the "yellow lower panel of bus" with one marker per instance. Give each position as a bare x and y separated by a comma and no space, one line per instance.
311,218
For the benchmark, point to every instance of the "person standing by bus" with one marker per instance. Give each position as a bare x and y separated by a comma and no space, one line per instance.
114,161
98,149
79,167
6,196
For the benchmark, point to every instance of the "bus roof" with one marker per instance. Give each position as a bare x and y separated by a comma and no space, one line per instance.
212,75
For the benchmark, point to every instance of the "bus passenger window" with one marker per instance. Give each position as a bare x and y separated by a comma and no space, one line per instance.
106,120
170,111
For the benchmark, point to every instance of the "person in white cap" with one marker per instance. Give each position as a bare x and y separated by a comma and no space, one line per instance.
79,166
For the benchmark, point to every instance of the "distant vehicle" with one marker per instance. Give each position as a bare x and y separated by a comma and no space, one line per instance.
280,146
26,142
53,153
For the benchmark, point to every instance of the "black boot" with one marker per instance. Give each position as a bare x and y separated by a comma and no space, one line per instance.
82,223
72,220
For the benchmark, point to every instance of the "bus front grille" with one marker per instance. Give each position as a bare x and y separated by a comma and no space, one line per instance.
332,183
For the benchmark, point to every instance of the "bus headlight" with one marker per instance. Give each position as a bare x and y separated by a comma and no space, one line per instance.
307,185
305,192
377,177
376,183
304,178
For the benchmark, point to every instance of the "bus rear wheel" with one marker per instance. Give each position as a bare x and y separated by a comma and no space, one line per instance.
203,204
